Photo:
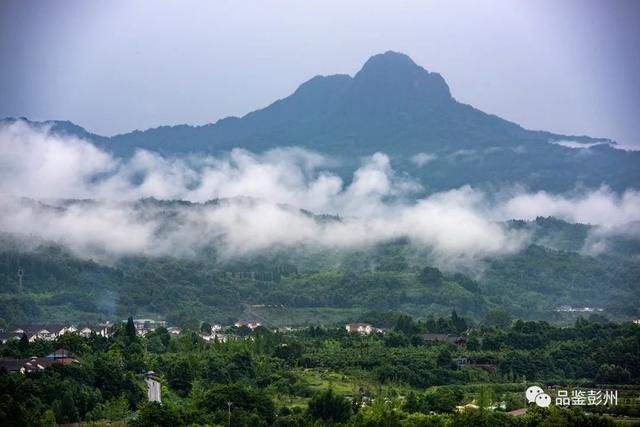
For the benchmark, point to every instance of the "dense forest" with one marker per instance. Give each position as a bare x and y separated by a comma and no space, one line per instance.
318,376
307,285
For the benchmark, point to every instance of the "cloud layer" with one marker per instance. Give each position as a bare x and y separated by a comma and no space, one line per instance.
263,197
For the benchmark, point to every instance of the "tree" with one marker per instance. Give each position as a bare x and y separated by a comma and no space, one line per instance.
612,374
130,329
381,413
444,399
418,419
406,325
12,412
499,319
72,342
48,419
113,410
205,328
395,339
411,403
153,414
485,398
444,359
481,419
458,322
159,340
244,331
330,407
134,357
289,352
248,403
179,375
23,345
66,410
431,275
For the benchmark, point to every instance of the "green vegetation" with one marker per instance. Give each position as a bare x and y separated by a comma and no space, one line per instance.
320,376
305,285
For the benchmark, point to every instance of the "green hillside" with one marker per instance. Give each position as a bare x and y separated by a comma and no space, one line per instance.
294,286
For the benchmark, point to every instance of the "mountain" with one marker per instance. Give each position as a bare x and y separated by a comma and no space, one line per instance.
395,106
298,285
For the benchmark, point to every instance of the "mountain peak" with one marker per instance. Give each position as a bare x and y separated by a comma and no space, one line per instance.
394,79
390,58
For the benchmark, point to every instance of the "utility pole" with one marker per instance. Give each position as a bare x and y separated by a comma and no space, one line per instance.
20,276
229,408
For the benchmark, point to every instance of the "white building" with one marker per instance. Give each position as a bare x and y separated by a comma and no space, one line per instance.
361,328
153,387
251,324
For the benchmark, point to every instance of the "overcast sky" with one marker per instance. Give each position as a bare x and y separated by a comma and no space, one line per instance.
114,66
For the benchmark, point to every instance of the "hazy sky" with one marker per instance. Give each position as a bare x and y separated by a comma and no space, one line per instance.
114,66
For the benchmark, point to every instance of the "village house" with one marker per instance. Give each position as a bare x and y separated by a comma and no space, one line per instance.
144,326
571,309
218,337
174,330
5,337
83,331
33,364
251,324
286,329
104,329
362,328
40,332
49,332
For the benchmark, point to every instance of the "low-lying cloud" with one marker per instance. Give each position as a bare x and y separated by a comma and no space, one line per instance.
422,158
263,195
579,145
601,207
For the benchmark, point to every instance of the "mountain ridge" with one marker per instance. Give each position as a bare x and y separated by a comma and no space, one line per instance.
395,106
315,84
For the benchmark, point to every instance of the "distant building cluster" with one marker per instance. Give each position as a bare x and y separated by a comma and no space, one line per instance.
251,324
571,309
144,326
49,332
362,328
218,337
34,364
217,334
